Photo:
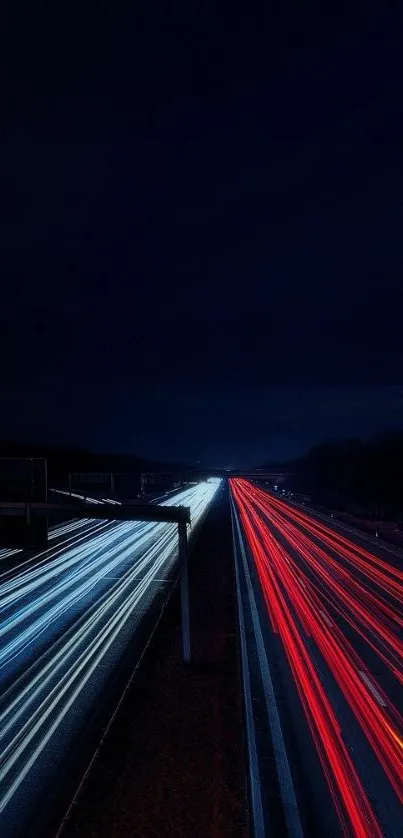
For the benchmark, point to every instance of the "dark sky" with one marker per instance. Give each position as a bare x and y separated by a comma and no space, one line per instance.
201,225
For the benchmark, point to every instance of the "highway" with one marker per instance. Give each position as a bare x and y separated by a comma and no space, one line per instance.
69,615
321,623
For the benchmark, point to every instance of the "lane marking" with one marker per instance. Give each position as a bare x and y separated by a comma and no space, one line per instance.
372,688
326,619
287,791
254,776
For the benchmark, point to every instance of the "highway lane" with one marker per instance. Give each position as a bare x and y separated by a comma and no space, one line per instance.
329,611
68,616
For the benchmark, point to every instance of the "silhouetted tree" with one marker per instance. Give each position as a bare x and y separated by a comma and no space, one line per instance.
351,474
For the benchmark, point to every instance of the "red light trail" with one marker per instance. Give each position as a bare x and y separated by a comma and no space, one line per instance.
314,581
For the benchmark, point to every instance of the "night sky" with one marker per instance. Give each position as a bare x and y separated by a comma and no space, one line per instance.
201,226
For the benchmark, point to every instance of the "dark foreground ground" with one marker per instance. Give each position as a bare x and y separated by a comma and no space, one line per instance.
172,763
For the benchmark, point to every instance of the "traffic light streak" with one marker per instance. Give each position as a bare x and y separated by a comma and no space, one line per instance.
306,589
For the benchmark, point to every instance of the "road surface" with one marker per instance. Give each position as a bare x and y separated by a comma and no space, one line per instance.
69,615
323,672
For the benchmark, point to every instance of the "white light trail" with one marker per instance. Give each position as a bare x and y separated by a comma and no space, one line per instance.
62,610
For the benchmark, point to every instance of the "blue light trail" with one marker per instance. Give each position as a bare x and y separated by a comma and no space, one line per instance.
63,612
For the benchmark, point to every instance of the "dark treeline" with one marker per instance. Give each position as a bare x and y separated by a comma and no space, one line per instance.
61,461
354,476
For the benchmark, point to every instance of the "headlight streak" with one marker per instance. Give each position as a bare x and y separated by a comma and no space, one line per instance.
87,528
98,646
79,580
83,626
33,706
54,532
317,588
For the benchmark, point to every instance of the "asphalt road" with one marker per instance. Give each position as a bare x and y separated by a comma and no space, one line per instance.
172,763
69,617
323,619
